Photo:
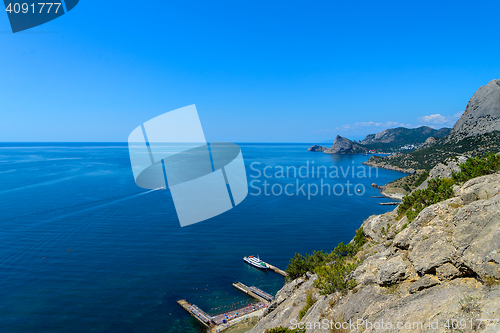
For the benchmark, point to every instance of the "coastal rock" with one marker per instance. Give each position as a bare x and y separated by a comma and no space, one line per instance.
345,146
421,272
482,114
317,148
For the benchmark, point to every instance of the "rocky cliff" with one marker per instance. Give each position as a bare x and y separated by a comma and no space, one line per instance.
345,146
443,266
482,114
340,146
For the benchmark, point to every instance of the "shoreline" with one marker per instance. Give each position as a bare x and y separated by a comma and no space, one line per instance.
390,167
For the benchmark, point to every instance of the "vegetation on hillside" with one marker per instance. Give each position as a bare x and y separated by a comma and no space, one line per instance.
441,189
332,268
476,167
437,190
403,136
427,158
309,303
407,183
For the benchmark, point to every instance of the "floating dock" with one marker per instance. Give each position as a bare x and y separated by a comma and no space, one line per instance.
389,203
254,292
276,269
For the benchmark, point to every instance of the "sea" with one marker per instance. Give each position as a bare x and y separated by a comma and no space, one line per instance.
84,249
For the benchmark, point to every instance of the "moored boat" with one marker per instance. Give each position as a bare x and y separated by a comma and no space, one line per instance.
256,262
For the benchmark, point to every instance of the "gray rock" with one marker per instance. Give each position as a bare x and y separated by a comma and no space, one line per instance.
447,272
424,283
392,271
431,248
480,188
477,236
481,115
372,227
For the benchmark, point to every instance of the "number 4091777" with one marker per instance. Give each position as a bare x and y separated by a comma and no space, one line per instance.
41,8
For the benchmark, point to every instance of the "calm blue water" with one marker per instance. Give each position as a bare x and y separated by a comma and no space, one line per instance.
83,249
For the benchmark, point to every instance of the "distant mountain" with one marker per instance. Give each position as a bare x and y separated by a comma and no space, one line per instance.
482,114
400,136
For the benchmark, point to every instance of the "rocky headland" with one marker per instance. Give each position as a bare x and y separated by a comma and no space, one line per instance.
341,146
443,266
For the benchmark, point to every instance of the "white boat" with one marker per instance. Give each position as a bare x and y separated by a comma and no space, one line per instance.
256,262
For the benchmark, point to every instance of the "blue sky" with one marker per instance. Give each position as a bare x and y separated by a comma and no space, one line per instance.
258,71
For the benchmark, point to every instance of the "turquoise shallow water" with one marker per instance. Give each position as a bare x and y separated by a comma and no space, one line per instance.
83,249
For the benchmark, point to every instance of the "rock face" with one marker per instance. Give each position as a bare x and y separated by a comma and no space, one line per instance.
345,146
481,115
441,266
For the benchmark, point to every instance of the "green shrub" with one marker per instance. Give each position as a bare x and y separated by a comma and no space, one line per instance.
309,303
299,264
423,176
360,238
333,277
437,190
476,167
332,268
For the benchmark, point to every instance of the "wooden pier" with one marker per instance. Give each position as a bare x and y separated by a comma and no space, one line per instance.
222,321
196,312
276,269
254,292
